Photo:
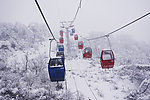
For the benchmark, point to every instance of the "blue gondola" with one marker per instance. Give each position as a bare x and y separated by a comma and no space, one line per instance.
71,34
56,69
73,30
60,47
61,54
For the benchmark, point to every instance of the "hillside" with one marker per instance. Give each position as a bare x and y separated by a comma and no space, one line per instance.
24,54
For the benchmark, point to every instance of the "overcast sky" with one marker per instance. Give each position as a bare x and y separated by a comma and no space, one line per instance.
94,16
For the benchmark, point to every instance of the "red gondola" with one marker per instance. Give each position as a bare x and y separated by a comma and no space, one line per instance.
76,37
61,33
107,59
87,52
61,40
80,44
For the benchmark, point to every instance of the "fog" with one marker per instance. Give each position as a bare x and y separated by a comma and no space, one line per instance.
95,16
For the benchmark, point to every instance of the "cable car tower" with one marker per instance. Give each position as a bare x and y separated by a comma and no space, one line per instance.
67,26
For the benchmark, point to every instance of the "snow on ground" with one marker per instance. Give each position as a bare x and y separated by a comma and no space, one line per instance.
84,77
96,83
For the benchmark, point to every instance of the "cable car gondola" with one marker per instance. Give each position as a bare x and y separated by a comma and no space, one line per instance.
80,44
61,54
61,40
73,30
87,52
71,34
56,69
107,59
76,37
60,47
61,33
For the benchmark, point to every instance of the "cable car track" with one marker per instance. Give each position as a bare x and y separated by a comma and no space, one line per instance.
89,87
75,85
82,82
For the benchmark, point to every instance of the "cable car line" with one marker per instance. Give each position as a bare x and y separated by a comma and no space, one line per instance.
88,84
83,38
50,47
75,85
109,41
90,89
121,27
76,13
45,20
76,88
66,87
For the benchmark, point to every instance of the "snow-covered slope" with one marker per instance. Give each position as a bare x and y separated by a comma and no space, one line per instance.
96,83
24,54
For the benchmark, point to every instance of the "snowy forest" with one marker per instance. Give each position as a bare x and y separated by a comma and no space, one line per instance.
24,56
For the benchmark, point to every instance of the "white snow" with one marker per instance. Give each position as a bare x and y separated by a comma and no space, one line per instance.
93,81
24,67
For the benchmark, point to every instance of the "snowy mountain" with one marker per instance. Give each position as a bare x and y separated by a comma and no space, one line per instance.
24,54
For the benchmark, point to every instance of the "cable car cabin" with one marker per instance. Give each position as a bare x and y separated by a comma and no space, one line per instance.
71,34
56,69
107,59
76,37
87,52
61,33
80,44
73,30
60,47
61,54
61,40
